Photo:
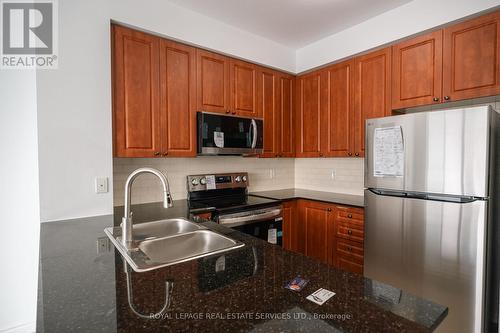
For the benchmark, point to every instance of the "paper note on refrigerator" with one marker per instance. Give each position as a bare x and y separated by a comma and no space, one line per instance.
388,152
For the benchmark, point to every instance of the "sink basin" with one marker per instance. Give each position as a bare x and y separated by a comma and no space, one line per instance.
168,242
163,228
185,246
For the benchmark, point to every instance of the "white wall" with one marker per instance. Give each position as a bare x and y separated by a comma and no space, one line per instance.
19,204
74,101
403,21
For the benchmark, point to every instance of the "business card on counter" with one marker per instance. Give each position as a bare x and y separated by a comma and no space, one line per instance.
296,284
320,296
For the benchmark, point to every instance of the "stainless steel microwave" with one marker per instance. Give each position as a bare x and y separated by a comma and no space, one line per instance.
228,135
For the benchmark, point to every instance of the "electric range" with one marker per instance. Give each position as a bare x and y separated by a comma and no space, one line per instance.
225,196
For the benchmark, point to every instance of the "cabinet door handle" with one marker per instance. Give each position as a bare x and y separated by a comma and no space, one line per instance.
436,99
227,111
349,232
349,216
234,112
157,153
357,154
320,154
446,98
165,153
349,249
349,154
329,210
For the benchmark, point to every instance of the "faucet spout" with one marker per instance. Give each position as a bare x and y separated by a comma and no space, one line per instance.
127,239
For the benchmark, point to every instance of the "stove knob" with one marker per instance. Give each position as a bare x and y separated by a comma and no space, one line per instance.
244,179
237,179
195,181
203,181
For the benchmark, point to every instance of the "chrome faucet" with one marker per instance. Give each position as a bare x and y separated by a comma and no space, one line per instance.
127,239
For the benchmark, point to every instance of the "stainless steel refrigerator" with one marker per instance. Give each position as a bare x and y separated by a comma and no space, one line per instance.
430,209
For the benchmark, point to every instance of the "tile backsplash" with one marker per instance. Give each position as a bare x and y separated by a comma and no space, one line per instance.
264,174
344,175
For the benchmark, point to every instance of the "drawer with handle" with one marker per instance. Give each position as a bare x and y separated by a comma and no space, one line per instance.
354,250
347,264
350,214
350,232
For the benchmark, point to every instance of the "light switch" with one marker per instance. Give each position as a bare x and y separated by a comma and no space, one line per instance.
101,185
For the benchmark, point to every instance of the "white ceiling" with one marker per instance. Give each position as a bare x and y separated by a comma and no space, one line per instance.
293,23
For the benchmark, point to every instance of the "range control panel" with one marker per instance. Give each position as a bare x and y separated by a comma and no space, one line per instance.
217,181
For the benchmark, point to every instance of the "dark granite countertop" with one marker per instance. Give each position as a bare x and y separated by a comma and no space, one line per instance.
81,290
297,193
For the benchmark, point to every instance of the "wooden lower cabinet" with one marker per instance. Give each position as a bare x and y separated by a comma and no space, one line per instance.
316,220
290,225
349,255
331,233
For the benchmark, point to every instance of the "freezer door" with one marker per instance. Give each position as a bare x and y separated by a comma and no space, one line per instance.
442,152
432,249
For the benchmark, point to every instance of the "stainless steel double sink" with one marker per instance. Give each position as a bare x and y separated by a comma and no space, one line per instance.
168,242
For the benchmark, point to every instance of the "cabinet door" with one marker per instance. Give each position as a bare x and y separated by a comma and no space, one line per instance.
337,119
136,93
319,232
372,94
212,82
243,81
417,71
286,104
268,108
471,55
290,231
178,89
310,103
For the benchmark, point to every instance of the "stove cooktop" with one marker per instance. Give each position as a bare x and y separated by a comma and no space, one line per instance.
232,203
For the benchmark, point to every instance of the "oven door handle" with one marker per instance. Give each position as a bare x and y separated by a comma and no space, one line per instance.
248,219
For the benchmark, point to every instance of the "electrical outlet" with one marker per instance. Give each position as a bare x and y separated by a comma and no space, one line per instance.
101,185
333,175
103,245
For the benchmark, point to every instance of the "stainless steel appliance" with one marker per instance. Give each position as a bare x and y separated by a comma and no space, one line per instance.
226,196
228,135
429,191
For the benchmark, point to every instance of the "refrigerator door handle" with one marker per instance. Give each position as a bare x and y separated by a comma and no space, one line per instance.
426,196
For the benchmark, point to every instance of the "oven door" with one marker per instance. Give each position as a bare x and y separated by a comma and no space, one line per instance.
228,135
266,223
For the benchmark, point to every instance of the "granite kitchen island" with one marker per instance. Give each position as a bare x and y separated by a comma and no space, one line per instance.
84,287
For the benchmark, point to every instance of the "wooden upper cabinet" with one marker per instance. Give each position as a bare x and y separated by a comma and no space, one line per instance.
136,85
178,99
243,82
267,84
286,103
372,92
338,115
309,106
212,82
417,71
472,58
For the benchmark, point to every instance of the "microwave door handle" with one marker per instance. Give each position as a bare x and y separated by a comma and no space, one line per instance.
254,140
